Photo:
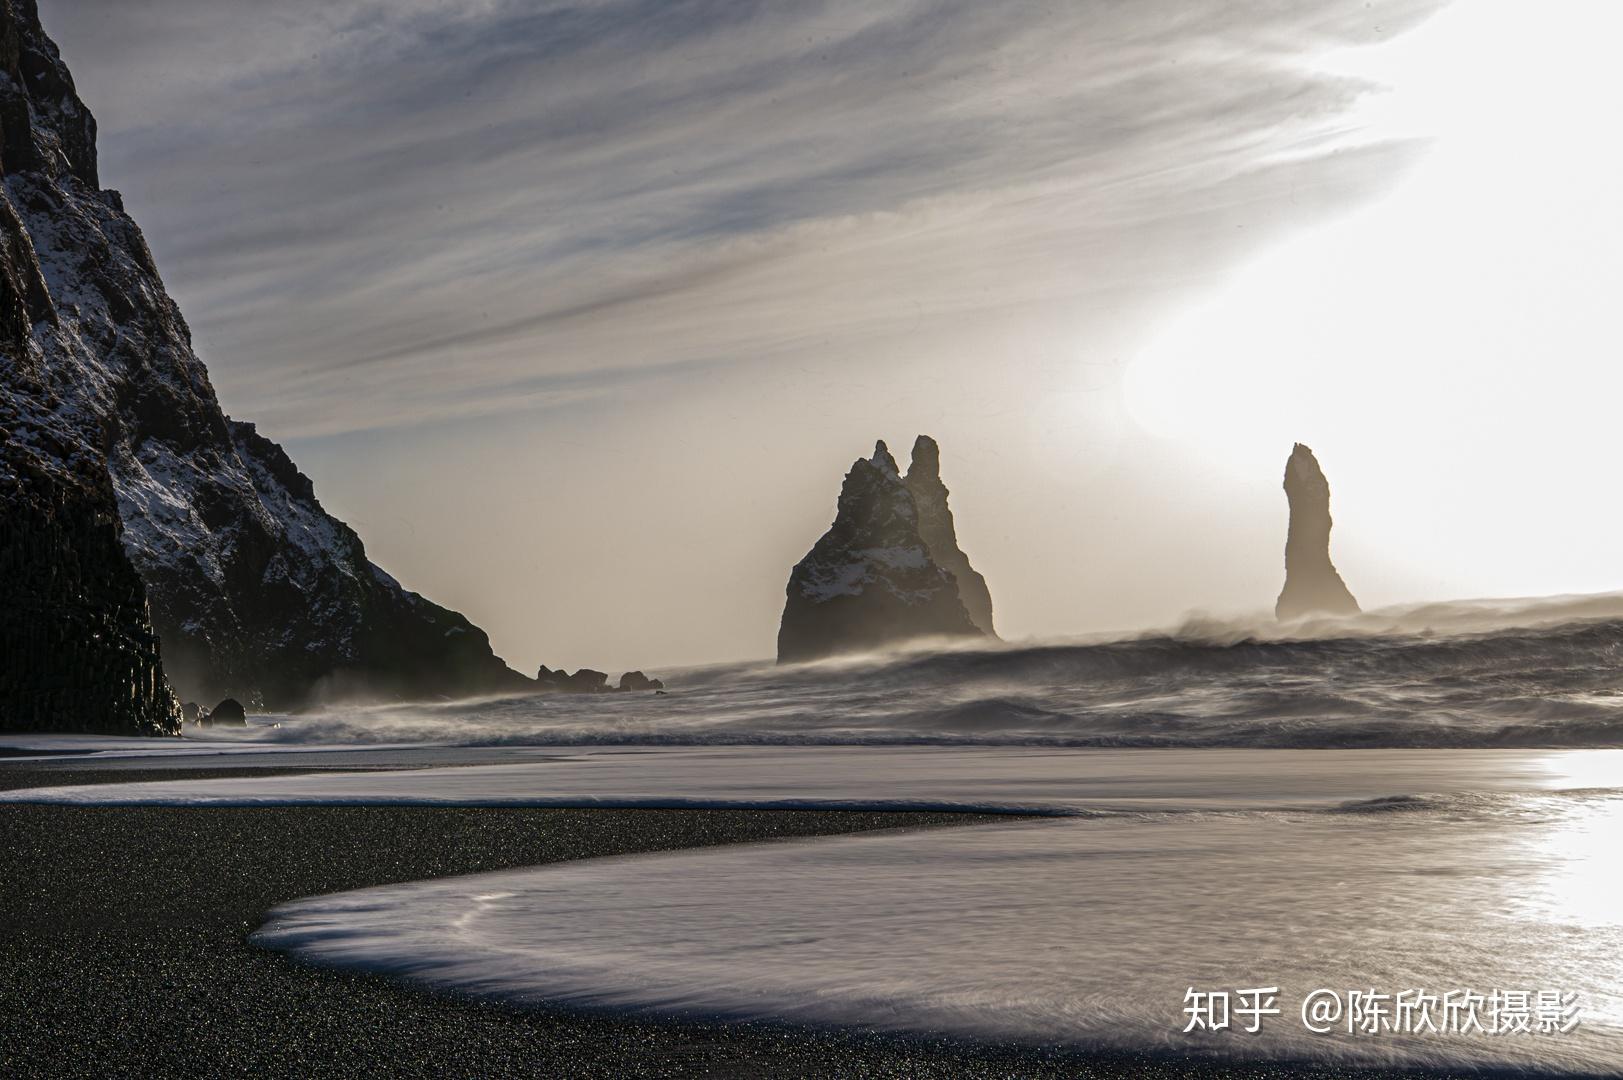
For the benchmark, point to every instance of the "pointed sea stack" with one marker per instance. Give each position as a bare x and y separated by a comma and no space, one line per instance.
870,581
1312,586
935,526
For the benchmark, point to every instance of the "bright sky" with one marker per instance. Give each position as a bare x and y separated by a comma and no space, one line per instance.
579,311
1451,349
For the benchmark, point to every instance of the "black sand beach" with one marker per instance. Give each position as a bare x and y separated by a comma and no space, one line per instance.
124,951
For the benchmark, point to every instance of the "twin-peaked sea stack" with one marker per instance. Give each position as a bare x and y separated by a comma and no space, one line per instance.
888,570
1312,585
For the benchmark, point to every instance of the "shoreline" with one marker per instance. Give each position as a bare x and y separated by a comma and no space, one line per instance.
126,950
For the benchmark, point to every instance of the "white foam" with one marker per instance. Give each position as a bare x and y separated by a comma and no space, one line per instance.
975,777
96,751
1083,932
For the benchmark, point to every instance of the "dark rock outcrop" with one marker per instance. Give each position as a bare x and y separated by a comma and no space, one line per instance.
228,713
77,649
1312,585
871,580
588,681
923,479
255,591
636,680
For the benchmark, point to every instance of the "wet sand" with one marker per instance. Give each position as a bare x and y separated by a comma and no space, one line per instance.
124,951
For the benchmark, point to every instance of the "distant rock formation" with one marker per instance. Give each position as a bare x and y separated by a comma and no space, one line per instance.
587,681
255,590
935,526
1312,586
872,580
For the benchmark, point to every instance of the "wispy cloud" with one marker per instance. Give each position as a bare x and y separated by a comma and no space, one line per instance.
385,213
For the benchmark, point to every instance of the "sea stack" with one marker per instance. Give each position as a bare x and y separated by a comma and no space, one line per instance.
872,581
935,526
1312,586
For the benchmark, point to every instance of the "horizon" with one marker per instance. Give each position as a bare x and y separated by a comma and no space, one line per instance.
604,419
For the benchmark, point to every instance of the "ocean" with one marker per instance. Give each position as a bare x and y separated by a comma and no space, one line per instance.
1483,674
1386,841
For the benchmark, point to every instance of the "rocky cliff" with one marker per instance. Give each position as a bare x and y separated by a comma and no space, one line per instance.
256,592
1312,585
77,648
936,528
871,580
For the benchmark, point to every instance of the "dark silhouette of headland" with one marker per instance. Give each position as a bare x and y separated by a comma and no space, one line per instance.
134,513
1312,585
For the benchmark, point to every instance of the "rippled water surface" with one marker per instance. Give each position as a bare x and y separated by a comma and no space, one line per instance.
1494,873
1548,673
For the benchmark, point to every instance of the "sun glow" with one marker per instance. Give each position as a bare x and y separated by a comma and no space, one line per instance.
1469,315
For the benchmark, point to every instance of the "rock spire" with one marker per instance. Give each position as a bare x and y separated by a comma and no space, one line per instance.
1312,585
935,526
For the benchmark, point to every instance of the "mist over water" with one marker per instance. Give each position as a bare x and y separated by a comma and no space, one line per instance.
1470,674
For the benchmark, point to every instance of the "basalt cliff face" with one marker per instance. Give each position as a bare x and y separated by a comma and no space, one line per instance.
255,591
872,580
77,648
1312,585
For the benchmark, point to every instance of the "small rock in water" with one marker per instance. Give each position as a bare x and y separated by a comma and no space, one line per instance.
588,681
228,713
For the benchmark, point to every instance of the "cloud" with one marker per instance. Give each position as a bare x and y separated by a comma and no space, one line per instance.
447,202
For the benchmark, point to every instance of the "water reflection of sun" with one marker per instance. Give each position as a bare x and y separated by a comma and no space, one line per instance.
1584,883
1582,770
1575,896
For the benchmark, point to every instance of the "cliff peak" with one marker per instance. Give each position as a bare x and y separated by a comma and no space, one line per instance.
883,459
925,462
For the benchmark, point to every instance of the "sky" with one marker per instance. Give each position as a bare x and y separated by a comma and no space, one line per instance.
579,311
